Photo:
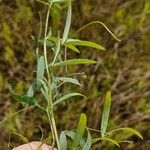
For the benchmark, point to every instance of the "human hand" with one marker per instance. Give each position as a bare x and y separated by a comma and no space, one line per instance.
33,146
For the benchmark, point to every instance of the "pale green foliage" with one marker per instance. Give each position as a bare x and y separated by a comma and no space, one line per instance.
48,82
79,131
65,97
105,115
63,141
68,22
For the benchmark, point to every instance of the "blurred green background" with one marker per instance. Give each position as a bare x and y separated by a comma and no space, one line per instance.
124,68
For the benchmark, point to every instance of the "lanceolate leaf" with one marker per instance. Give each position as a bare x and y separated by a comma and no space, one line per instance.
72,47
40,67
79,131
105,114
44,94
57,50
72,43
63,141
75,62
53,40
56,1
65,97
106,139
76,42
71,134
70,80
130,130
48,43
88,143
24,99
32,89
36,85
40,70
68,22
44,89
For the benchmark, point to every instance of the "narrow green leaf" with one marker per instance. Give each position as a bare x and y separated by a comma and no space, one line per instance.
72,47
79,131
57,1
40,70
130,130
65,97
72,43
32,89
40,67
13,94
54,84
44,94
48,43
63,141
75,62
56,51
88,143
45,85
53,39
68,22
76,42
71,134
110,140
44,89
70,80
24,99
105,114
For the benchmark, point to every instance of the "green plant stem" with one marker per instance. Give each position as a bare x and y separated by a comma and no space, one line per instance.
55,131
50,113
45,49
98,22
10,116
50,123
66,59
94,130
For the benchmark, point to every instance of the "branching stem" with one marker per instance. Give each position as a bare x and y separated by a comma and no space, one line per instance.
50,113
